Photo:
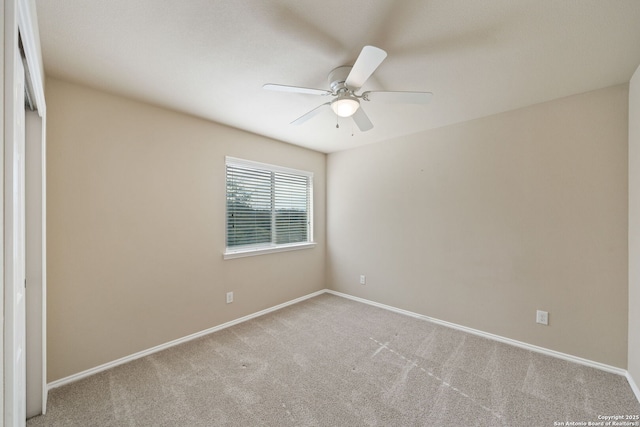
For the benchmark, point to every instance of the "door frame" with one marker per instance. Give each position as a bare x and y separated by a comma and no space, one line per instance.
20,23
15,258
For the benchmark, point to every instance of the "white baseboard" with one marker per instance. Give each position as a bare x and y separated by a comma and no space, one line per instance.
634,386
526,346
109,365
499,338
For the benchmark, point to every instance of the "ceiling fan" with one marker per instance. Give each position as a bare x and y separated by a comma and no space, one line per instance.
345,82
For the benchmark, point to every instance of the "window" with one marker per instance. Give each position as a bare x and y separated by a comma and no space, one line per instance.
269,208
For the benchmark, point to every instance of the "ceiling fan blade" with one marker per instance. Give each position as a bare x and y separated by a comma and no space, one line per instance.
300,120
398,97
362,120
369,59
296,89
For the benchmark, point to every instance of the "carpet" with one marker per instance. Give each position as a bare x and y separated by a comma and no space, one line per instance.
331,361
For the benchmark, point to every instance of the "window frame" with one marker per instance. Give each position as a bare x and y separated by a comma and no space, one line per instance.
271,247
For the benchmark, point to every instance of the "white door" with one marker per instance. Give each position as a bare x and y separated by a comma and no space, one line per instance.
15,366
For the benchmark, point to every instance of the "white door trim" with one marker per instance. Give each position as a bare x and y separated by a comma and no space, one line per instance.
19,17
14,252
2,114
36,213
28,24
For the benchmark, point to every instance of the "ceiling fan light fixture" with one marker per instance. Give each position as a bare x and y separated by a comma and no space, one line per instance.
345,106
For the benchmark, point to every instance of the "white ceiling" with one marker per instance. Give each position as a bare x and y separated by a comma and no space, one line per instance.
210,58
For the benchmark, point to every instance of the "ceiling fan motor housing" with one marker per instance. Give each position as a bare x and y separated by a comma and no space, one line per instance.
346,103
337,78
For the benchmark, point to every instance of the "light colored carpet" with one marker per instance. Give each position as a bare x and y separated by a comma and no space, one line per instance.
330,361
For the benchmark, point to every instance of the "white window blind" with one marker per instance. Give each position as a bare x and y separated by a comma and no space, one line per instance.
267,206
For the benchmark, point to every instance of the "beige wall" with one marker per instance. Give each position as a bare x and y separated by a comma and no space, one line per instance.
634,228
483,222
136,204
479,224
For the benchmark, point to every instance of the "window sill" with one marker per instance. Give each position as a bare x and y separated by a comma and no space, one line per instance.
241,253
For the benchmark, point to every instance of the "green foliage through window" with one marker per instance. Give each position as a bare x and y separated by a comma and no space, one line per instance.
267,205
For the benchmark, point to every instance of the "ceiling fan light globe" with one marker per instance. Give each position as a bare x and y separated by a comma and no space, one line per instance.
345,107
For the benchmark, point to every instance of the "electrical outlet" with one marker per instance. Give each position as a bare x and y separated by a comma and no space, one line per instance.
229,297
363,279
542,317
